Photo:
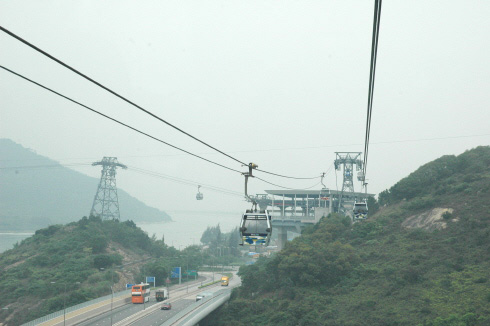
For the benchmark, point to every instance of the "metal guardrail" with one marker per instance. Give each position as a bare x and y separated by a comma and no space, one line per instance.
188,315
74,308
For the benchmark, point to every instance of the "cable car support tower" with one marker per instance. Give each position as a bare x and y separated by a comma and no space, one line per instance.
106,204
348,160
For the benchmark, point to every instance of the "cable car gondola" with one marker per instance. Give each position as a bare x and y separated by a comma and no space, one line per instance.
360,210
199,196
255,228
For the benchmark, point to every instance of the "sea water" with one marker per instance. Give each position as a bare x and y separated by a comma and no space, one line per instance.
8,239
187,227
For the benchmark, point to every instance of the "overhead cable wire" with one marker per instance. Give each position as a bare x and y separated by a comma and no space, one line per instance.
329,146
277,149
119,122
114,93
189,183
330,168
288,177
134,169
129,101
276,185
372,73
327,172
43,166
183,181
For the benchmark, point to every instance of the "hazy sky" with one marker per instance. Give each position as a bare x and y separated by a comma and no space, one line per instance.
282,84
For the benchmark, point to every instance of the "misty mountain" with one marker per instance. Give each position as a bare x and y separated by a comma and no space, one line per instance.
47,193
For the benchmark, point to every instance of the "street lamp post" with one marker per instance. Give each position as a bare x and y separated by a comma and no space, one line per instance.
64,303
112,289
167,281
112,292
64,307
112,299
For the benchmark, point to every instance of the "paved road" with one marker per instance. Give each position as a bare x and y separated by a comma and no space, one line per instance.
127,309
100,314
157,317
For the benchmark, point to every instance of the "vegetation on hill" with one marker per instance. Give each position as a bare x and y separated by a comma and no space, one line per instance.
69,264
218,249
378,272
84,257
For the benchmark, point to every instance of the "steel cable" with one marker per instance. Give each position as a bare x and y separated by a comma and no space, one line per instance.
372,73
273,184
113,92
119,122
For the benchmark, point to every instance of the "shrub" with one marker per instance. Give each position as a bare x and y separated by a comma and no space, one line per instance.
411,275
420,203
104,260
49,231
447,215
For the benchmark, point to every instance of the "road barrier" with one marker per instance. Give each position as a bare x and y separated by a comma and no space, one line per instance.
200,309
68,310
49,319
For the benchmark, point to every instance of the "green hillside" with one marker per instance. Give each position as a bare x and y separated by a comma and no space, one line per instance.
82,257
422,259
33,198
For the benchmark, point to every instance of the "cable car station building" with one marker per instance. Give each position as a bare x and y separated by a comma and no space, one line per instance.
293,209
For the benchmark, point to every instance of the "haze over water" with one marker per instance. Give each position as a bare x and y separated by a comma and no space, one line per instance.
186,229
188,226
8,239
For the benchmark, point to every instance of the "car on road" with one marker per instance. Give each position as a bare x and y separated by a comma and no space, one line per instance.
201,296
166,306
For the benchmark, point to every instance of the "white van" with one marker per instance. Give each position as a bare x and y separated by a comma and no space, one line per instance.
201,296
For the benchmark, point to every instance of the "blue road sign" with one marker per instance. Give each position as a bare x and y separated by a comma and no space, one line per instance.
175,272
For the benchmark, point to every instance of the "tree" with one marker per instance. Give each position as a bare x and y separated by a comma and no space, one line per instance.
212,237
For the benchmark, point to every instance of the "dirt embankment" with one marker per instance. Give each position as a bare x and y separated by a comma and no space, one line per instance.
431,220
131,262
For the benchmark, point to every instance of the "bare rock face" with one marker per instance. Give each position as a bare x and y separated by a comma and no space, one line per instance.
430,220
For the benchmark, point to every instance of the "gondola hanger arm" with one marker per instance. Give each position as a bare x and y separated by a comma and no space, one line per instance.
251,167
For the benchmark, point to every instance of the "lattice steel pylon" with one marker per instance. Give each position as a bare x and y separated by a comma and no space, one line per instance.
347,160
106,204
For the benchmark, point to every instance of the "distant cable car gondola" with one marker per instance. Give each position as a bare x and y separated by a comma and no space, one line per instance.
199,196
255,228
360,210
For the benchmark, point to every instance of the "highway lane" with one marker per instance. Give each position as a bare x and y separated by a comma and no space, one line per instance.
158,317
128,309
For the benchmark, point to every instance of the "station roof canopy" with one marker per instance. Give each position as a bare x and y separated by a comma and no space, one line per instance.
315,193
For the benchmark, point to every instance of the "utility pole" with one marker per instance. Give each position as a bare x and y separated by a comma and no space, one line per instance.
112,298
106,204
